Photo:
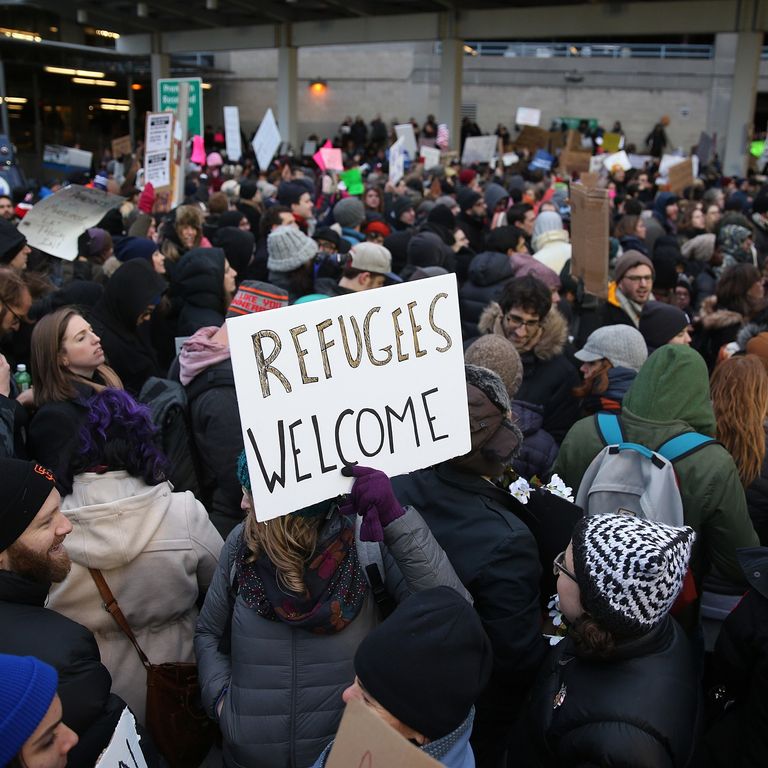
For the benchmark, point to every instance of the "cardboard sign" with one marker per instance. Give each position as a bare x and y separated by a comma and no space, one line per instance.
431,156
318,156
557,141
528,116
589,180
532,138
590,214
66,158
364,740
479,149
121,146
573,139
123,750
575,161
396,161
617,158
375,378
406,133
266,141
613,142
681,176
232,133
54,224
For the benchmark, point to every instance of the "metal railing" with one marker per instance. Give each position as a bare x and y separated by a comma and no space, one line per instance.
594,50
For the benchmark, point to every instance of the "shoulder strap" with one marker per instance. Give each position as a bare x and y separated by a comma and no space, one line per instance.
683,445
113,609
609,428
369,556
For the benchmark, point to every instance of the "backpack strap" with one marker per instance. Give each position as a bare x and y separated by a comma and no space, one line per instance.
683,445
372,563
609,428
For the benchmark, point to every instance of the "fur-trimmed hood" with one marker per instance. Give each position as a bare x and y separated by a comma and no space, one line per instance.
748,332
712,318
553,335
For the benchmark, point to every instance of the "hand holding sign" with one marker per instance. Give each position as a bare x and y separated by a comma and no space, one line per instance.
373,499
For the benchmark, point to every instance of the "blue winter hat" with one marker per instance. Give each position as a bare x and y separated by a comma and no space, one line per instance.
128,248
26,692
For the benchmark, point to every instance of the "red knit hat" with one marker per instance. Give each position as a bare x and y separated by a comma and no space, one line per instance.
467,176
379,227
147,198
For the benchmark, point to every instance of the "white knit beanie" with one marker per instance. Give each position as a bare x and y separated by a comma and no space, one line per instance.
288,248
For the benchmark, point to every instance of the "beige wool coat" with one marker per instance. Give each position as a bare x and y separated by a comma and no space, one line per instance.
157,550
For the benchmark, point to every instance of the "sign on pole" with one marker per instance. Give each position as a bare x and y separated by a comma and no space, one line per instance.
232,133
397,161
168,100
266,141
158,157
590,216
54,224
373,378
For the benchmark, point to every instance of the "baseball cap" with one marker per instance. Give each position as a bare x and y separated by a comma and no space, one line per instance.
371,257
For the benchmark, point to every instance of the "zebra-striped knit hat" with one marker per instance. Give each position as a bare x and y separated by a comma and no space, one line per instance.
629,570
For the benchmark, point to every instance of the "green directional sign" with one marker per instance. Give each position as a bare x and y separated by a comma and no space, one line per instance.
168,99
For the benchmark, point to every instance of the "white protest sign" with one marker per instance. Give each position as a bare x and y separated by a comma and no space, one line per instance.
157,168
509,158
375,378
123,750
528,116
232,133
639,161
431,156
479,149
596,163
617,158
54,224
405,132
158,148
396,161
56,156
266,141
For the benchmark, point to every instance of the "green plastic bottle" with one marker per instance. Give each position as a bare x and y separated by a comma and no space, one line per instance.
22,378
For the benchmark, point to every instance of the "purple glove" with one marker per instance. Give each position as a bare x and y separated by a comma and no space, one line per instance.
373,499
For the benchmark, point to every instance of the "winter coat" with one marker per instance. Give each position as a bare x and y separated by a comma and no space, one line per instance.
139,536
30,629
130,291
669,396
497,559
716,327
283,684
474,229
757,500
452,750
553,249
489,274
706,284
738,738
619,381
611,312
548,375
199,284
13,427
638,709
219,440
539,449
760,236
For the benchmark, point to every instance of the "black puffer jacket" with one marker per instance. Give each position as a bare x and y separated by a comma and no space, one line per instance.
30,629
489,273
637,710
539,449
199,284
757,499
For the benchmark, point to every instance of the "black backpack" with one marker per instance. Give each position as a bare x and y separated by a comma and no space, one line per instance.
167,402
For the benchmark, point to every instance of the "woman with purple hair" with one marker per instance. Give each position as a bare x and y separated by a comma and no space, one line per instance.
156,549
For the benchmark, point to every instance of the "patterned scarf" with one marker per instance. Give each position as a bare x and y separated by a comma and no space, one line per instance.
335,583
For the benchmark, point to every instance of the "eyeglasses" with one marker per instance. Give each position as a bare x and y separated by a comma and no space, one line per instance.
638,278
515,321
558,567
17,319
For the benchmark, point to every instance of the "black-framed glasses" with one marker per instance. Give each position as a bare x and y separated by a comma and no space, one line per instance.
638,278
558,567
515,321
18,319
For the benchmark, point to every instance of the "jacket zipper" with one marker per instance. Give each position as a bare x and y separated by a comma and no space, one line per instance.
292,730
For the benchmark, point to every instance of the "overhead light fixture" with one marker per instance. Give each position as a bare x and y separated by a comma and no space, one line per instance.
82,16
105,100
105,33
115,107
90,81
318,87
211,5
142,10
20,34
76,72
14,100
206,86
16,106
468,49
136,86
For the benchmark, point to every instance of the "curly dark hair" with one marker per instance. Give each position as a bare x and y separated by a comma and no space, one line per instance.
119,434
529,294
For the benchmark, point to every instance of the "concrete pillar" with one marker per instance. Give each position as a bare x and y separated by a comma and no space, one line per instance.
742,103
287,94
451,76
160,67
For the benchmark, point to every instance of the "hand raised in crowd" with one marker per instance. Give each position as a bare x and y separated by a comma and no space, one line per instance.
5,377
373,499
26,398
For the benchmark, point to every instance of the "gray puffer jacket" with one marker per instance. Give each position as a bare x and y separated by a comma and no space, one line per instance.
283,700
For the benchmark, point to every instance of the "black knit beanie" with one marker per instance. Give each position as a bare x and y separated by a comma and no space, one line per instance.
428,662
25,487
660,323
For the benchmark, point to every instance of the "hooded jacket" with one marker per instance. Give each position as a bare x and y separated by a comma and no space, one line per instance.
140,537
669,396
199,285
489,274
114,318
548,376
717,326
550,241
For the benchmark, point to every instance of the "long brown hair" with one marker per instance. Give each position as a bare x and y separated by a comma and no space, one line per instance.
53,382
289,542
739,389
12,290
595,384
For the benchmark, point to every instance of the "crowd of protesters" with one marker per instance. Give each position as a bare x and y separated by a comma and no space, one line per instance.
510,627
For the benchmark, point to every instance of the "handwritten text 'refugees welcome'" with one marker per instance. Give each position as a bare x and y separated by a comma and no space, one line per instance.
410,331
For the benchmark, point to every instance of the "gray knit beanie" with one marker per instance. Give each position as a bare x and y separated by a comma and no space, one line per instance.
627,261
349,212
288,248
